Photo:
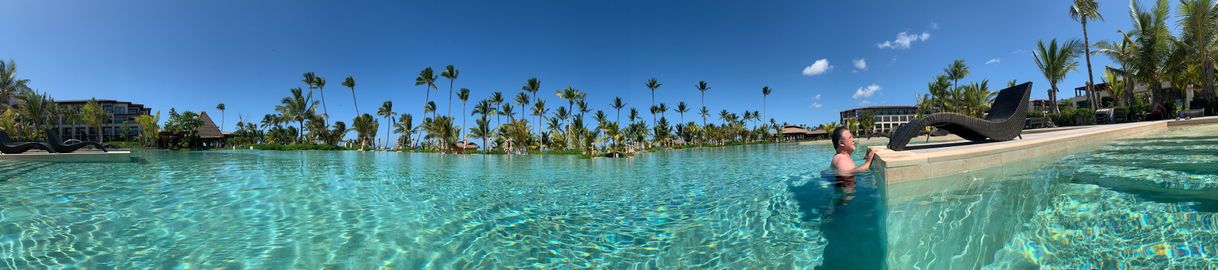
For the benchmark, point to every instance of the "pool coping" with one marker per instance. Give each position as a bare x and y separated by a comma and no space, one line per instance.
74,157
922,164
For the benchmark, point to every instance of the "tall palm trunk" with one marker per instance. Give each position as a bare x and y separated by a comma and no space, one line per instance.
450,98
1092,96
425,101
1053,98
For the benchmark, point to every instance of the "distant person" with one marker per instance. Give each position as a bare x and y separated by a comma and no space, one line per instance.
843,143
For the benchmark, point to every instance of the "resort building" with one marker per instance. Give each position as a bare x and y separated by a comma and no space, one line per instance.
119,126
1038,105
887,118
801,133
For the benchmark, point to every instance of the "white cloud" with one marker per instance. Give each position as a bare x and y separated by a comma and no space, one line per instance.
994,61
934,26
815,105
904,39
860,64
817,68
817,97
866,91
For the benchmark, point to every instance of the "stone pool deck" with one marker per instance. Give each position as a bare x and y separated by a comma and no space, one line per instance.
84,156
936,160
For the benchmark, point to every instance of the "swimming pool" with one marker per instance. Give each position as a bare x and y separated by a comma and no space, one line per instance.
757,206
722,207
1149,203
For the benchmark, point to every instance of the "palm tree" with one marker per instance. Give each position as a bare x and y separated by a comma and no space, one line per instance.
618,104
653,85
350,83
662,109
522,100
1152,40
496,101
320,83
450,73
681,109
463,95
539,110
93,115
532,86
765,93
1082,11
1123,53
221,108
9,83
956,71
570,95
297,107
1199,20
386,111
405,127
426,78
1054,63
702,87
365,130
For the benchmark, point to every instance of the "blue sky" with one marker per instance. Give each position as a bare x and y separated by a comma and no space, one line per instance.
191,55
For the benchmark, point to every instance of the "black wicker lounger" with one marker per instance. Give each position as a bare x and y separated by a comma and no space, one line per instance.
1004,121
58,145
7,145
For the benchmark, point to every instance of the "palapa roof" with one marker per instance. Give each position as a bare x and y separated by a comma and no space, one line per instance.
467,145
793,130
208,130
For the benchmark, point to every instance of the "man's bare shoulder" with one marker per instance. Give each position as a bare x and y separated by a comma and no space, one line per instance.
842,162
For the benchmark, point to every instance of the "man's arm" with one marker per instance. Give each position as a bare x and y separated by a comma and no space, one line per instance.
866,164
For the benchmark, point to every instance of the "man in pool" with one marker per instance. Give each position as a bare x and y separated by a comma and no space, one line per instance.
843,143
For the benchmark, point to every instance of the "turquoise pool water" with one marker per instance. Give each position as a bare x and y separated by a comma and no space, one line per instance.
1148,203
735,207
1141,203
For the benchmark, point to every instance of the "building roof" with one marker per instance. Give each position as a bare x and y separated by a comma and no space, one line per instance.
208,130
467,145
882,107
792,130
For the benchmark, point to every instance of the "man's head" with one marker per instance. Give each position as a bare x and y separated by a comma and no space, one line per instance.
842,140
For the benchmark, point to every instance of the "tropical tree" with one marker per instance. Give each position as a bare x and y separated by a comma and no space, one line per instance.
386,111
221,108
442,130
1054,63
94,115
463,95
653,85
1083,11
9,83
350,83
497,100
405,127
297,107
320,83
540,110
618,104
681,109
1199,21
426,78
365,130
1152,40
1116,85
702,87
148,127
522,100
765,93
450,73
571,95
1123,53
956,71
